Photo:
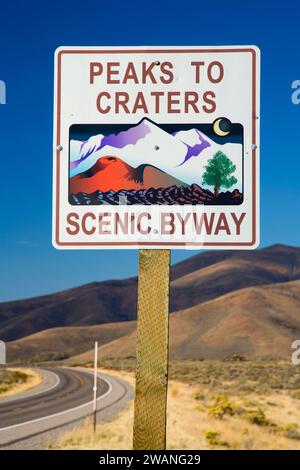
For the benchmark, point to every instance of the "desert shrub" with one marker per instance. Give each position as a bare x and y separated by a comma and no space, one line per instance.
266,389
206,381
9,378
235,357
251,403
200,408
248,444
214,439
257,416
246,387
48,356
296,394
290,431
222,406
287,427
199,396
19,376
292,434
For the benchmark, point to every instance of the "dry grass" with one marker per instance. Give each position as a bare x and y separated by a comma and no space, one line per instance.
17,380
193,422
189,429
232,376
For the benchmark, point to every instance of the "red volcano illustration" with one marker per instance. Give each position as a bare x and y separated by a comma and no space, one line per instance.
112,173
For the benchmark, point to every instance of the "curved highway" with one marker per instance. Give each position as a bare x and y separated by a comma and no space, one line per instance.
66,399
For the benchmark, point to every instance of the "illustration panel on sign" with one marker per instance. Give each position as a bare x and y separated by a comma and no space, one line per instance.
162,164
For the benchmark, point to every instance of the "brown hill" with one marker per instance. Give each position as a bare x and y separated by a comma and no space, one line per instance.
226,276
60,343
95,303
196,280
256,322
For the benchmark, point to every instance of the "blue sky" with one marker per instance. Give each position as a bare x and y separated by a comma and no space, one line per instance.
30,32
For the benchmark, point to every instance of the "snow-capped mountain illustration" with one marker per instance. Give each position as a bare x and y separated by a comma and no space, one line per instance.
182,155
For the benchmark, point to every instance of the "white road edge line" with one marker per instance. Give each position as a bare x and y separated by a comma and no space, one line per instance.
61,412
48,389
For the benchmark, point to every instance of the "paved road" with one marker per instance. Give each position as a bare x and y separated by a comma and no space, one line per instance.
62,402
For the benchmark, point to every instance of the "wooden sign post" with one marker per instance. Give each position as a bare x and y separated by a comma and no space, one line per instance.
149,431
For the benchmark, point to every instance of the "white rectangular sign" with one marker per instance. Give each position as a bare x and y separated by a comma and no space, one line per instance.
156,147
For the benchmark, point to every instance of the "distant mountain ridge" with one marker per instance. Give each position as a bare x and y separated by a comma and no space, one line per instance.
189,143
201,278
254,322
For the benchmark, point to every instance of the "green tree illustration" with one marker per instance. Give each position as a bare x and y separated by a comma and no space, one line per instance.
218,172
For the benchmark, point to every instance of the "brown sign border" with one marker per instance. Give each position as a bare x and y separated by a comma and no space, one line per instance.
158,51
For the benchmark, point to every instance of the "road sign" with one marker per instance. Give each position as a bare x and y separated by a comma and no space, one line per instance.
156,147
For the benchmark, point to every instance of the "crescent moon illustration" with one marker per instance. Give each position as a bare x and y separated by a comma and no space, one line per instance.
218,124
